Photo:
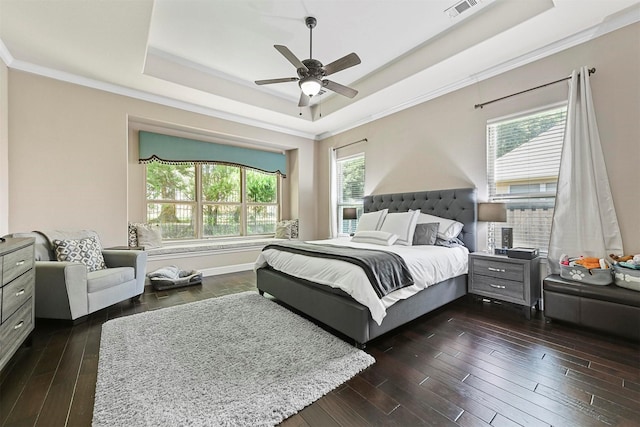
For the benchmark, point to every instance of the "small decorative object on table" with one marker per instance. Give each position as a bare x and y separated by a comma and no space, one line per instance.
626,271
590,270
172,277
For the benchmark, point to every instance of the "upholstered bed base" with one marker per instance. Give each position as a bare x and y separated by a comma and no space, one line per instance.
348,316
337,310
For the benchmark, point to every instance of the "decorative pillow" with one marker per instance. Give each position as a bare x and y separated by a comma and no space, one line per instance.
87,251
376,237
371,221
133,235
426,234
283,230
149,236
295,225
403,224
287,229
448,228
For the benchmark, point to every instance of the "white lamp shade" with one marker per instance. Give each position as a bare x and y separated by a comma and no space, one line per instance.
310,86
492,212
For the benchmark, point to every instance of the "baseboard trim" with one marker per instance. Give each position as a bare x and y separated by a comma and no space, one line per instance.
216,271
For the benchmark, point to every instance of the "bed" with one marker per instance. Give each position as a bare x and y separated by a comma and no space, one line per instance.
336,309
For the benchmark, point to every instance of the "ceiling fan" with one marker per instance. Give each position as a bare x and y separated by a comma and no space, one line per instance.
311,72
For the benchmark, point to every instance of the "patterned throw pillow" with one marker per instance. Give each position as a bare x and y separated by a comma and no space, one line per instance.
87,251
133,235
294,228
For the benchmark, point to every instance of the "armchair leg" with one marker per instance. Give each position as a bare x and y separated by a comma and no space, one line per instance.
136,298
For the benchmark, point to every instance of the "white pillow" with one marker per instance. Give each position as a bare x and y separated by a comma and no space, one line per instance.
403,224
371,221
149,236
376,237
448,228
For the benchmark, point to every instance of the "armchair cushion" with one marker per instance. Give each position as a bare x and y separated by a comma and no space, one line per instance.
87,251
109,277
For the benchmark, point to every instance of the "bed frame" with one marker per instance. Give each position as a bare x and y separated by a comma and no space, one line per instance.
339,311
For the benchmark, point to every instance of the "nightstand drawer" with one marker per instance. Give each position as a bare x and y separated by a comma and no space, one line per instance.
496,287
498,269
17,293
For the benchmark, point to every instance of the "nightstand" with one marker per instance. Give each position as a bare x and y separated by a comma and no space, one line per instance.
506,279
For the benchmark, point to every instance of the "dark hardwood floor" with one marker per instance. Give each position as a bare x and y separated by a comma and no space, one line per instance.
467,364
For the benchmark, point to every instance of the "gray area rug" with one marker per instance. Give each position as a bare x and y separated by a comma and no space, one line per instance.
237,360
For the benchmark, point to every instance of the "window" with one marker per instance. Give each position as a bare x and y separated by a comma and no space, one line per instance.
523,158
211,200
350,191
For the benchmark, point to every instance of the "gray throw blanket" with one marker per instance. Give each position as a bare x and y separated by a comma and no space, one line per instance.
386,271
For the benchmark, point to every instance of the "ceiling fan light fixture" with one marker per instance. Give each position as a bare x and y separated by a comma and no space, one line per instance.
310,86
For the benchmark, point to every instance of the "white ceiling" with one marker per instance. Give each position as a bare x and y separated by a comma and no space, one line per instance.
204,55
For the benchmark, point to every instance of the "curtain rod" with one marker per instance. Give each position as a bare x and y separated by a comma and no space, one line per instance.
591,71
351,143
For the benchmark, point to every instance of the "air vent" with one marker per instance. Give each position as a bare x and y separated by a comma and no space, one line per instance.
461,7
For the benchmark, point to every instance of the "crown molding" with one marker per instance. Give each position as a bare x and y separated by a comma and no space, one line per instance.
6,56
149,97
630,17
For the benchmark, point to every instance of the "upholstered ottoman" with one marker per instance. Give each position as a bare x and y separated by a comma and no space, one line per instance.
609,308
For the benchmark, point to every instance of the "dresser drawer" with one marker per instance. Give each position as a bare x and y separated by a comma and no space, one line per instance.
16,329
508,290
17,293
498,269
16,263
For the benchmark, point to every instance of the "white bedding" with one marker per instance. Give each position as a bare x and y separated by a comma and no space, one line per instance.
427,264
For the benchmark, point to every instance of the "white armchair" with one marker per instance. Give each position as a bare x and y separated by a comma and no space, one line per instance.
68,290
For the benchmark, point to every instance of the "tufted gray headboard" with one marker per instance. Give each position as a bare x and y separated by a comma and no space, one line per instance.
458,204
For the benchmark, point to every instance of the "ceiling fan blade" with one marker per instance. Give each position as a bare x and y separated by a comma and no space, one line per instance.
338,88
271,81
290,56
304,100
340,64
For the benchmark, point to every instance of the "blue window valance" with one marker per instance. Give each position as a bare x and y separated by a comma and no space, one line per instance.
155,147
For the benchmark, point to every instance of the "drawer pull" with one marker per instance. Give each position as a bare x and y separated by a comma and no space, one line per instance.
19,325
19,263
497,286
20,292
499,270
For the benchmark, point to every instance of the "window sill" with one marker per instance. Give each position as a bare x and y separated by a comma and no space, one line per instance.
202,247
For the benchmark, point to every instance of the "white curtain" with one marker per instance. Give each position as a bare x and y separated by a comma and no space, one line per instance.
584,219
333,194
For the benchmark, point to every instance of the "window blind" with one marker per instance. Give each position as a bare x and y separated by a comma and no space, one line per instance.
523,158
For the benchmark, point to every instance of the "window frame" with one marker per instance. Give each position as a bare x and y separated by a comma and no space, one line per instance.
353,224
507,197
199,203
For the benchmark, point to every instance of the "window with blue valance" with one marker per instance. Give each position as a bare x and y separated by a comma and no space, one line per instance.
156,147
